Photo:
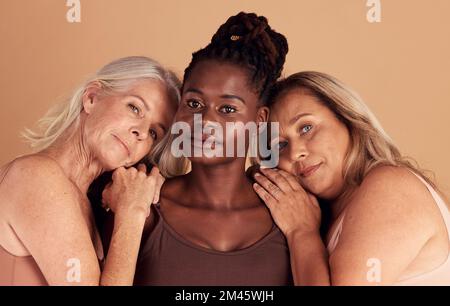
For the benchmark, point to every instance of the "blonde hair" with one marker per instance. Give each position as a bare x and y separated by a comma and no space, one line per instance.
370,146
169,165
114,77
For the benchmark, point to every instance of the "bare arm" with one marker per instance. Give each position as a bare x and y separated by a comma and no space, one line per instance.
386,226
48,219
309,259
129,220
123,249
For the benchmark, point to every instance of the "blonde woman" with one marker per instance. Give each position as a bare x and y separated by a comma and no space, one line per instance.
47,230
388,223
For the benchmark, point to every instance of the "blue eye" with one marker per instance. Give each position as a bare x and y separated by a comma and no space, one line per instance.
193,104
134,109
306,129
228,109
280,145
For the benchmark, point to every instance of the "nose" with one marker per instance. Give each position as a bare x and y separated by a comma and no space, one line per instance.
140,132
297,151
210,119
209,116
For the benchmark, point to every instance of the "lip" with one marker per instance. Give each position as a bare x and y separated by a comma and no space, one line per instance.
309,170
203,139
123,144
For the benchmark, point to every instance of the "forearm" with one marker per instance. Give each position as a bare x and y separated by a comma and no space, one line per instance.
309,259
123,249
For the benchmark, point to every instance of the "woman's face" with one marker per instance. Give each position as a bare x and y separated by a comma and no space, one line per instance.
313,143
220,93
121,129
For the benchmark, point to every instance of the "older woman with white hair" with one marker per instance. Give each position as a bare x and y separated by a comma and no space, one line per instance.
388,224
47,230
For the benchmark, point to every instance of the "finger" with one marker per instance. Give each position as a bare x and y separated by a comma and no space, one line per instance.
313,200
277,179
291,179
105,196
118,172
151,182
271,188
142,168
158,185
132,170
265,196
155,172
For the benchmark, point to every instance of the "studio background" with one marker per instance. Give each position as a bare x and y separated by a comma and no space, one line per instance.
400,66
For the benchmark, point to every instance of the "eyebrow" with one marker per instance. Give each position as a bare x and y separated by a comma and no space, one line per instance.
194,91
227,96
143,101
233,97
297,117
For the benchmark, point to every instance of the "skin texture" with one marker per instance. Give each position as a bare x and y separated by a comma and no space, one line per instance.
44,210
391,216
224,212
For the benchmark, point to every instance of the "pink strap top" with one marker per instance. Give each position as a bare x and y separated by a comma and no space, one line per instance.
439,276
19,270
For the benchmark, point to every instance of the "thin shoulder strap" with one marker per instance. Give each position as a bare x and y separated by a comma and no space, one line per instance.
6,170
336,233
439,202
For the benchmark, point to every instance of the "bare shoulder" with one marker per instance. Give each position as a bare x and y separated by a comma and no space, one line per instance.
385,176
31,167
35,180
391,218
394,193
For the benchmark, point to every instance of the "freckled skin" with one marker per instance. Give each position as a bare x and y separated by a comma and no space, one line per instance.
317,138
125,116
56,219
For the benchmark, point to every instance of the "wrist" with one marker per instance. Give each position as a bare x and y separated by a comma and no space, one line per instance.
302,235
132,211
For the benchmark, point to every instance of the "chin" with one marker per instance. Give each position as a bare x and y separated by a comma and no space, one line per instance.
313,187
211,161
110,163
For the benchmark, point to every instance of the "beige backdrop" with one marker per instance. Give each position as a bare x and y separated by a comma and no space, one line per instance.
401,66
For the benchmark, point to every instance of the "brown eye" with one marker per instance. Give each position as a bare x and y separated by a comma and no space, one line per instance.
153,134
228,109
194,104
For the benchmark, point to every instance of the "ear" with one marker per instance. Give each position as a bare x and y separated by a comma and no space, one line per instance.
91,95
262,115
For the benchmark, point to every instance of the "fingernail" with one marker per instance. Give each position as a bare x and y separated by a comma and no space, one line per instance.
257,175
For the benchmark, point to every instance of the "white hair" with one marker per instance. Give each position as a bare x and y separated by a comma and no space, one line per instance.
115,77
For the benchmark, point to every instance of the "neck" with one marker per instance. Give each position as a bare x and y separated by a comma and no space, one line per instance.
74,158
223,186
339,204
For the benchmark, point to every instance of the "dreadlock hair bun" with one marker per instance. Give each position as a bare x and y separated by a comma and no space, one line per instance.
247,40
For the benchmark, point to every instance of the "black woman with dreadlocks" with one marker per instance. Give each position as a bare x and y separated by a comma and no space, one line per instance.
210,227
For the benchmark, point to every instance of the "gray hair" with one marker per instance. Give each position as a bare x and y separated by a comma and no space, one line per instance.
116,76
